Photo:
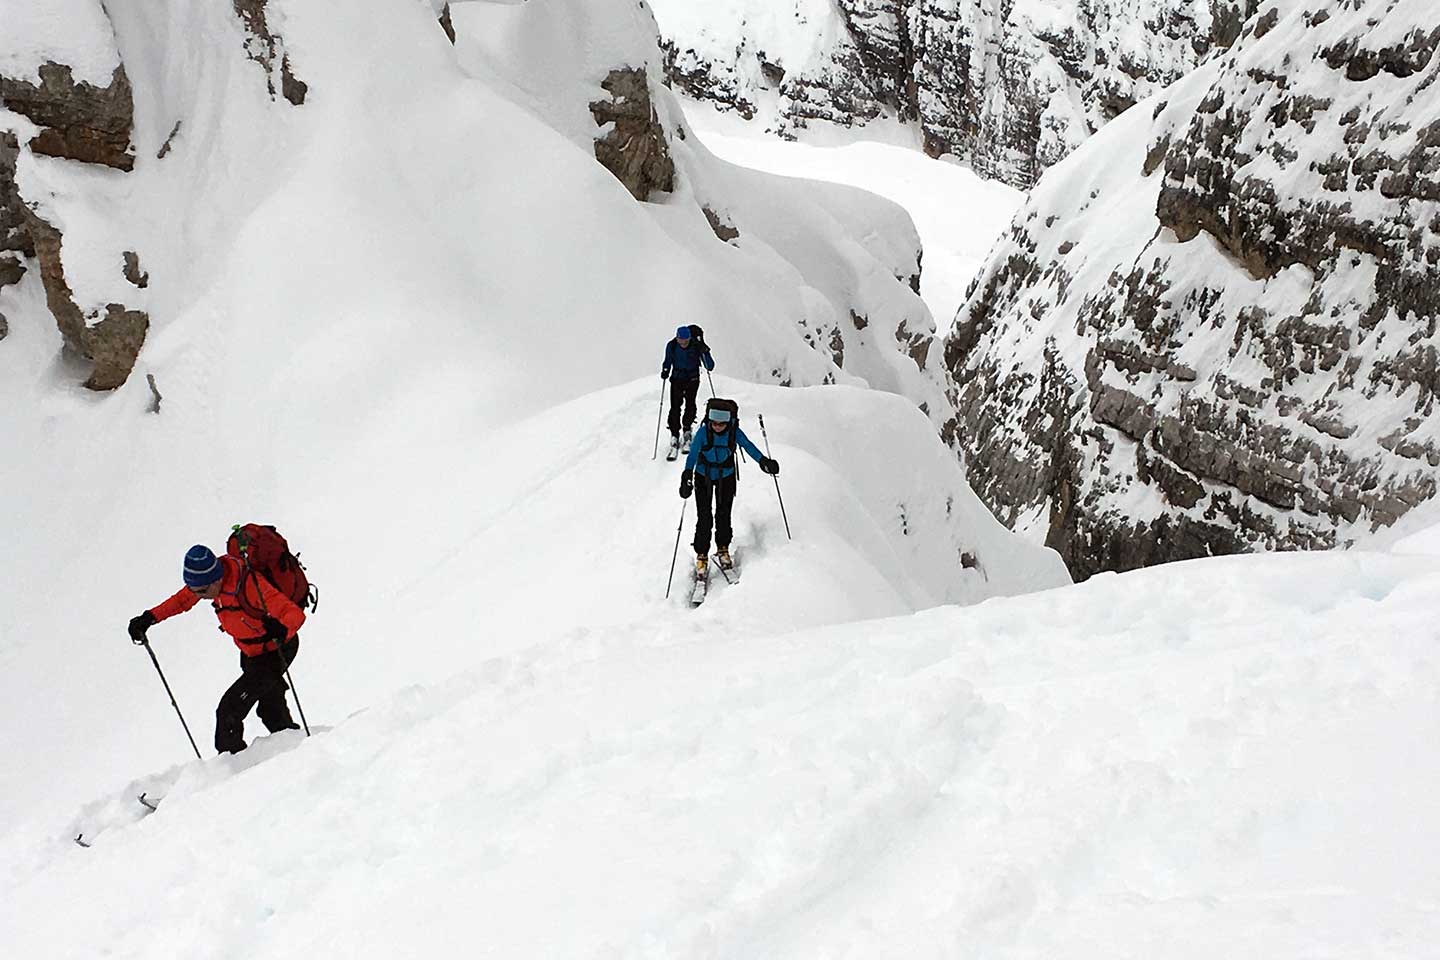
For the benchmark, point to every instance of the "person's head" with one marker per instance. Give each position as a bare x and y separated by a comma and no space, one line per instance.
682,336
202,572
718,419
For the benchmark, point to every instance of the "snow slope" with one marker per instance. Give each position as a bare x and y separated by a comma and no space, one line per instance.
958,215
1226,757
416,325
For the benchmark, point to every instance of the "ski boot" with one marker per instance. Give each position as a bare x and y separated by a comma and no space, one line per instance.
674,450
702,566
685,441
722,556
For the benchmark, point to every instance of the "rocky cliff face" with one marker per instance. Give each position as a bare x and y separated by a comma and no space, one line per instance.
1010,86
1213,329
65,98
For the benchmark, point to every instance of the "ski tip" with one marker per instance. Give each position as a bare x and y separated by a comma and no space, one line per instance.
80,839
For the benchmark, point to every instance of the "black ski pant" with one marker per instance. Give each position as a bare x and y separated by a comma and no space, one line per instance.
262,682
682,393
724,494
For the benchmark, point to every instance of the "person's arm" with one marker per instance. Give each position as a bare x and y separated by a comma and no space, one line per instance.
669,358
181,601
280,607
750,448
706,357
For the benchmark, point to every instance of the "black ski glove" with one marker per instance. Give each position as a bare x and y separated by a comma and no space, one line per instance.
138,626
769,466
664,374
686,485
275,630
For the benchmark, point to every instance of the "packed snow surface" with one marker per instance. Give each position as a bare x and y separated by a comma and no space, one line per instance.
75,33
958,215
431,361
1230,757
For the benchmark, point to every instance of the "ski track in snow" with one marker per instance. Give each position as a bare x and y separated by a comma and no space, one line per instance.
1227,758
522,749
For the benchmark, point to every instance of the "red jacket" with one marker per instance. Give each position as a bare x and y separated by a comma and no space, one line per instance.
247,631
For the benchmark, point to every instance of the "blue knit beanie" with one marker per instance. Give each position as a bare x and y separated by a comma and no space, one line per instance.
682,333
201,567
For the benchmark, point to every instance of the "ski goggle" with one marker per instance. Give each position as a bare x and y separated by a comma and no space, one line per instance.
718,416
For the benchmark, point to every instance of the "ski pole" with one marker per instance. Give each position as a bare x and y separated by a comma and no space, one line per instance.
146,645
766,435
712,382
658,414
286,664
676,552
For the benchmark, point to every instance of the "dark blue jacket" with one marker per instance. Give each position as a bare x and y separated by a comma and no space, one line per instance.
719,459
687,361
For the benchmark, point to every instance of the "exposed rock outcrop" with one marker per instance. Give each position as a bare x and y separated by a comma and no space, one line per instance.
15,245
1214,328
79,121
113,341
446,23
634,147
267,48
1008,86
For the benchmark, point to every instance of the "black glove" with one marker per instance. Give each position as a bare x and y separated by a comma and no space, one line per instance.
769,466
686,485
138,626
664,374
275,630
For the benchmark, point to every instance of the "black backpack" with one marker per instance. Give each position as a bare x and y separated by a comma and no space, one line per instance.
731,436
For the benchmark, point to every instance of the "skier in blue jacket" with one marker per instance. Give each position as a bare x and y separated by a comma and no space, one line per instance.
683,357
710,467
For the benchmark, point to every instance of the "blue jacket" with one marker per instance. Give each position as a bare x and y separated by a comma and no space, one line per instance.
719,461
687,361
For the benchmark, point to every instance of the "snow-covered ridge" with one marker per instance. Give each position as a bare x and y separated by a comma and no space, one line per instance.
414,323
1009,87
1212,329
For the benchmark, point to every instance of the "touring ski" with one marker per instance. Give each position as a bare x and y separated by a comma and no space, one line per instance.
730,571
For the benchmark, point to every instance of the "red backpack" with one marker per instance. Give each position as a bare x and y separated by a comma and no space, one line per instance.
262,551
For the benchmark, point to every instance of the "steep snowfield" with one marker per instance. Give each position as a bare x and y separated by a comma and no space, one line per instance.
958,215
1227,757
418,327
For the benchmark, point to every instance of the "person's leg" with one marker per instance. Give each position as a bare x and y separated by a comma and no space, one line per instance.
692,389
234,706
270,687
701,543
677,399
724,503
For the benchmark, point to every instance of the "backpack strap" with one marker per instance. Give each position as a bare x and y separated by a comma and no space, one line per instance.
249,576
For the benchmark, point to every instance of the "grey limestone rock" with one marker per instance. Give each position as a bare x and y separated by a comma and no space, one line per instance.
1225,312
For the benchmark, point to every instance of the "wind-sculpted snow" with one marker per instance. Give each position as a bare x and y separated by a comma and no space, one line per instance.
414,323
1010,86
1226,758
1213,329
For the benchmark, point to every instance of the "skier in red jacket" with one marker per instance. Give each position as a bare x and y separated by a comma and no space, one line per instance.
263,622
